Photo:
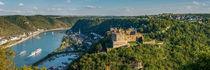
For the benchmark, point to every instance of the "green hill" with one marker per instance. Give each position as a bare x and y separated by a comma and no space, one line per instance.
186,46
100,26
17,24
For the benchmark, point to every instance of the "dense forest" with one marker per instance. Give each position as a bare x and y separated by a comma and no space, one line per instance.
17,24
186,45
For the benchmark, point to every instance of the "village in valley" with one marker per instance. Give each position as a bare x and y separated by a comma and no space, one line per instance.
119,37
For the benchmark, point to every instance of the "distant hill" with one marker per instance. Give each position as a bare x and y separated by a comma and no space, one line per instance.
102,24
17,24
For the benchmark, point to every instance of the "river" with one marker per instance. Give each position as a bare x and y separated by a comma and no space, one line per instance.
48,42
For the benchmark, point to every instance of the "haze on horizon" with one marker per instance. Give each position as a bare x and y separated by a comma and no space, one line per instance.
102,7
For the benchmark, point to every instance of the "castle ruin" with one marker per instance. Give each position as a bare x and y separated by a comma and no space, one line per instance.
121,37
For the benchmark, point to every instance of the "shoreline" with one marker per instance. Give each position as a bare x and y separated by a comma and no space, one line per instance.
30,36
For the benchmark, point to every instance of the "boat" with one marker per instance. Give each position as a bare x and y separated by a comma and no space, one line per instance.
52,33
37,37
22,53
38,51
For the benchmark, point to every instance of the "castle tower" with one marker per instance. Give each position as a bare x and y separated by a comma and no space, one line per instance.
79,31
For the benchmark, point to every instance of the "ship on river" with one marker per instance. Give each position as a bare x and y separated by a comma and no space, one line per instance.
38,51
22,53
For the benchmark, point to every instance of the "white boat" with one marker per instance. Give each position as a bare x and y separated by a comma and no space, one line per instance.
38,51
22,53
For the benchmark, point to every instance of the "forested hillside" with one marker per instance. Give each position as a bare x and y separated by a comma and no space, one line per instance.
100,26
186,43
186,46
13,25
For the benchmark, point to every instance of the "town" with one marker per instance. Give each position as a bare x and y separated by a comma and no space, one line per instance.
24,36
179,17
80,41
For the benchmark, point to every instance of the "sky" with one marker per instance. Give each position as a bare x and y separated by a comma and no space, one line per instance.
102,7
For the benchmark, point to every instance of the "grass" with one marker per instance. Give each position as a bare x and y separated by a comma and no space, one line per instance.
133,43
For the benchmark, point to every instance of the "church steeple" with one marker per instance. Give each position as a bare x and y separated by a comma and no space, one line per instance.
79,31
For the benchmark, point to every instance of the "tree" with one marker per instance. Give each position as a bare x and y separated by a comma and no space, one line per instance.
6,63
6,57
99,47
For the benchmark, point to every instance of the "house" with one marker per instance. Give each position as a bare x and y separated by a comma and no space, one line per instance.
30,33
23,35
3,41
14,38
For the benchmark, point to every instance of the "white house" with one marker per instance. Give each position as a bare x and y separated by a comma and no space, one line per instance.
3,41
23,35
14,38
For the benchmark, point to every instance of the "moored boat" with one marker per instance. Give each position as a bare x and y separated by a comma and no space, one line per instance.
22,53
38,51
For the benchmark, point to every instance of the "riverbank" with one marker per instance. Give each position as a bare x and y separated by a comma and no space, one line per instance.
32,35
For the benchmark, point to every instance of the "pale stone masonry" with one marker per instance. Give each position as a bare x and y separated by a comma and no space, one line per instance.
153,42
121,37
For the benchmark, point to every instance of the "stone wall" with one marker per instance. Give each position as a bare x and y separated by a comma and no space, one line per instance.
153,42
121,37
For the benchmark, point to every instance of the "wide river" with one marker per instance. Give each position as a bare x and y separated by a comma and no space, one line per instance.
48,42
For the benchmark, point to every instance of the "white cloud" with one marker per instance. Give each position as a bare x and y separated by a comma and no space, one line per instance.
54,9
35,8
1,3
128,9
91,7
20,4
199,3
196,3
30,11
188,7
10,11
204,4
68,1
74,9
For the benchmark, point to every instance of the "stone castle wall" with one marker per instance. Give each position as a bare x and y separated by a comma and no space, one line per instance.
121,37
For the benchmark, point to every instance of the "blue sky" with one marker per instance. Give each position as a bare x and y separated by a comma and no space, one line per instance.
102,7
